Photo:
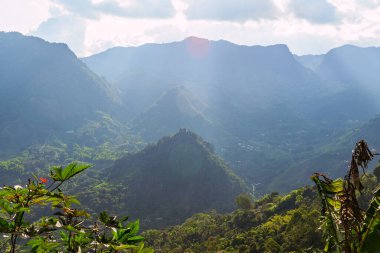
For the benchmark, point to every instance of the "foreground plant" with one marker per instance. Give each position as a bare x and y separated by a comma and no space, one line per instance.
69,229
346,227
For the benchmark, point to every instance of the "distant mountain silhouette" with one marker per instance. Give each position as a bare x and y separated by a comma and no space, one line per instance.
216,71
246,88
354,73
352,66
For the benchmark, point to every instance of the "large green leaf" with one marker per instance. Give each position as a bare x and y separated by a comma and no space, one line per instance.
333,187
5,205
59,174
4,226
134,226
134,239
371,227
371,242
39,245
373,208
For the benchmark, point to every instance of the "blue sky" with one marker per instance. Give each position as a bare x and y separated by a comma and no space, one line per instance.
91,26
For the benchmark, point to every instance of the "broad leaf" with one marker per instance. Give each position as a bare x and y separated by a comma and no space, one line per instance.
59,174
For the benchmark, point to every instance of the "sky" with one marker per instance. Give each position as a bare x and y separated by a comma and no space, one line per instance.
92,26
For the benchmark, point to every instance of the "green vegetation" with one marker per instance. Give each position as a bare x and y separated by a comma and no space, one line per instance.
346,228
69,229
288,223
101,142
273,224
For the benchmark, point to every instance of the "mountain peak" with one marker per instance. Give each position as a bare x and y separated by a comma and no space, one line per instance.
28,43
184,176
195,39
176,108
185,135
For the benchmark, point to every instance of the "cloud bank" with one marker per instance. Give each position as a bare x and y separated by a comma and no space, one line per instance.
90,26
134,9
226,10
314,11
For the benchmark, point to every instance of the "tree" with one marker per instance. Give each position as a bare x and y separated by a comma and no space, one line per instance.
244,201
345,226
69,229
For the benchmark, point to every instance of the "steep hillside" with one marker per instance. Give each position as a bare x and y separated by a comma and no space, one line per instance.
177,108
45,91
352,66
310,61
167,182
332,158
273,223
355,70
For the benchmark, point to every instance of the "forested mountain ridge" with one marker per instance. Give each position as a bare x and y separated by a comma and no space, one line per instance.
273,223
46,92
167,182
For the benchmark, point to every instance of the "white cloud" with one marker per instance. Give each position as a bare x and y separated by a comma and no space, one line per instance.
90,26
227,10
66,29
133,9
165,33
369,3
22,16
314,11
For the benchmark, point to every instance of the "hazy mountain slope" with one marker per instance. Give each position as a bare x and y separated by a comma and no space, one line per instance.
175,109
310,61
45,91
353,71
331,158
169,181
215,70
352,66
251,91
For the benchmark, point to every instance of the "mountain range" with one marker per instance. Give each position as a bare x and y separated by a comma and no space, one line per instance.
269,108
267,112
